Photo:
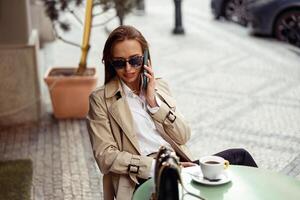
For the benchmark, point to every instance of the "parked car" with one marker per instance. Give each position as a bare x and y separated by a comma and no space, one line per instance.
232,10
279,18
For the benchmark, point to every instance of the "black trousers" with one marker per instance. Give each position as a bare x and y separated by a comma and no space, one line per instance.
237,157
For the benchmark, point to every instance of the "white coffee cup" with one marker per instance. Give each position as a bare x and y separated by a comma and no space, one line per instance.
213,167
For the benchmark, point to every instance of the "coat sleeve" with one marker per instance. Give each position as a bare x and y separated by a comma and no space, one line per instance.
172,121
104,145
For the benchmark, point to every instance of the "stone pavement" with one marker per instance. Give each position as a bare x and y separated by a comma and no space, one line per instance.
234,89
64,167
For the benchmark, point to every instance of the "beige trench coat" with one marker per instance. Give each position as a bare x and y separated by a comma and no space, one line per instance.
114,141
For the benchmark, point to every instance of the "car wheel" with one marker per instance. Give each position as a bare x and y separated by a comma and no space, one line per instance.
234,10
287,27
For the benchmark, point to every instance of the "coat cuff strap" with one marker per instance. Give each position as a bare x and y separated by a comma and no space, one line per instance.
164,113
134,168
134,165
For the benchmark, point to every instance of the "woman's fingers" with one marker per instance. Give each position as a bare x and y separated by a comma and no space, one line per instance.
148,75
187,164
150,95
149,70
149,64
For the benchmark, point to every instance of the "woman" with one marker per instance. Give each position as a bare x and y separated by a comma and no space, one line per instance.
127,124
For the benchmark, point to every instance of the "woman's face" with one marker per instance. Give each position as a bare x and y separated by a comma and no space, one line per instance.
126,50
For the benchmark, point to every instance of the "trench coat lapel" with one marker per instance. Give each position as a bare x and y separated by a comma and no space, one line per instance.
120,111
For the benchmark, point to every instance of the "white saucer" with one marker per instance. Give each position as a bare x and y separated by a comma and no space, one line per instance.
224,178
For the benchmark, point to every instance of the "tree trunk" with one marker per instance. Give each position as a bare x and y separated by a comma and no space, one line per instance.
86,37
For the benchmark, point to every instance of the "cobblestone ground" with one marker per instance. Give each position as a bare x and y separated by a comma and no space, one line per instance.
64,167
234,89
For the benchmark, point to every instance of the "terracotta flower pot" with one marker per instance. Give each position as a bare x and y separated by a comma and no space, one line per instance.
70,93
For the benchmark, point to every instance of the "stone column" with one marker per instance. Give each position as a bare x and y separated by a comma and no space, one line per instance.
19,77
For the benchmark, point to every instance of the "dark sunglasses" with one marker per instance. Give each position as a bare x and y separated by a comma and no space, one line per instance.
134,61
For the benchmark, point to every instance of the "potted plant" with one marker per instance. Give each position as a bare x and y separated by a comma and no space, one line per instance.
70,87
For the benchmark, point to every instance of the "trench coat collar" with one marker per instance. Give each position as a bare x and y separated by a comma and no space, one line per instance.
119,110
113,87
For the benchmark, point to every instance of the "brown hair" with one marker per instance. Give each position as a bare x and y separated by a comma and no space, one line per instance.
120,34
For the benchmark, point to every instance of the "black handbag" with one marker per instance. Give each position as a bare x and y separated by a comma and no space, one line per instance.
167,176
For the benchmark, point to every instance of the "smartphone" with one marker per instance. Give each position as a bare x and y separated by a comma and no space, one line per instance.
144,77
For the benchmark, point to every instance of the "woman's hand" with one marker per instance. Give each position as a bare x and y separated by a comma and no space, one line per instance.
150,92
187,164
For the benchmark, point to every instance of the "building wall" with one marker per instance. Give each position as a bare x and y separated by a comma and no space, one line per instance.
15,22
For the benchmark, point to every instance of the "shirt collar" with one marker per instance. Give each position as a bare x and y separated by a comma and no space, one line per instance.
128,92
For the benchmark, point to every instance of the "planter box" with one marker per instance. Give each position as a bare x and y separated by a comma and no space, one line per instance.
70,93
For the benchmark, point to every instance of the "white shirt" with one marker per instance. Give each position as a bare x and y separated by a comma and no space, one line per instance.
148,136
